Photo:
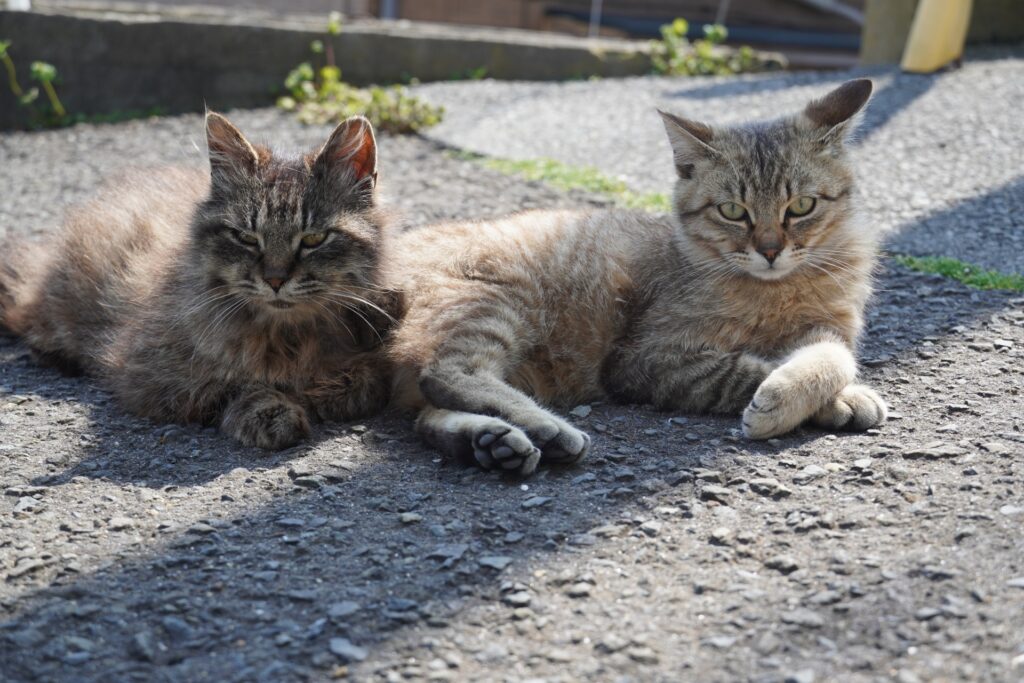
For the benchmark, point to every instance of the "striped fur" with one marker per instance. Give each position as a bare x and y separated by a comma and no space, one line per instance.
509,319
154,287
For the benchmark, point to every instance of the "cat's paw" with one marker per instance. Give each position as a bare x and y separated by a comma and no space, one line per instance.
559,441
773,410
345,407
499,445
267,420
856,408
351,393
809,379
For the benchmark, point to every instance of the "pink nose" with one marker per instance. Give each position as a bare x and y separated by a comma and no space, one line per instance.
769,254
275,282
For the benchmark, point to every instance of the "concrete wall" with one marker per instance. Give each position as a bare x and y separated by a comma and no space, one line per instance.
109,61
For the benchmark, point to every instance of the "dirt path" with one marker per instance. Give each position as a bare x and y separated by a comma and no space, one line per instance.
678,551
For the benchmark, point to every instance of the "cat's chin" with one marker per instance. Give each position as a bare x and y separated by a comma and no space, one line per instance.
771,274
282,311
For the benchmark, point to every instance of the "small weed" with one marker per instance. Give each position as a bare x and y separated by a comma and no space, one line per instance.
46,74
477,74
675,55
970,275
12,75
319,95
41,115
567,177
117,116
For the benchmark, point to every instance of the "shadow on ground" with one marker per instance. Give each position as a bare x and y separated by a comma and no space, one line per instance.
969,229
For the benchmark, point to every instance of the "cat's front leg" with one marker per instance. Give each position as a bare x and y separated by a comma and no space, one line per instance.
807,381
359,389
678,378
264,417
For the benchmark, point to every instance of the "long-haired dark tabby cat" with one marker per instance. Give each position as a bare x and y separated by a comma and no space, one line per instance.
750,301
244,296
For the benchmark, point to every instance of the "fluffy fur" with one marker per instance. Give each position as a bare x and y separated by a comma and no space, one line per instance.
247,296
757,313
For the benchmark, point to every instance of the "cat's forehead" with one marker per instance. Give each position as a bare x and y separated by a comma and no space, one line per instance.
278,198
765,157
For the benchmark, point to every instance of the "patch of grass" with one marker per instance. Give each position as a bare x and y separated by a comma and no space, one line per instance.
117,116
568,177
970,275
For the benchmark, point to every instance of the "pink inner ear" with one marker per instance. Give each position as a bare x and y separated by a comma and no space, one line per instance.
352,147
363,160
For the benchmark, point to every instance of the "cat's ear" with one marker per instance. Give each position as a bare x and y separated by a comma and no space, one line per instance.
690,140
835,116
349,157
231,155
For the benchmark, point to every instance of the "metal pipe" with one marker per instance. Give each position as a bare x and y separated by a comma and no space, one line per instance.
723,9
595,18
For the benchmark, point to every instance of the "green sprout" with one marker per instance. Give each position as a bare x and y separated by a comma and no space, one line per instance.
46,74
12,76
715,33
334,23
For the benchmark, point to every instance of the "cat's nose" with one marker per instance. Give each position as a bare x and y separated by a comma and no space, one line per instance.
769,254
275,282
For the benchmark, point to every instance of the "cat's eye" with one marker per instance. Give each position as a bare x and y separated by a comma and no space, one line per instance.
732,211
246,238
314,239
801,206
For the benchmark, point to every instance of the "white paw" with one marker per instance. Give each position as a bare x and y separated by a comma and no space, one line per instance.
856,408
797,389
772,411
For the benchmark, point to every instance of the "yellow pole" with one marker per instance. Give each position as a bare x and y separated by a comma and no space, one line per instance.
937,35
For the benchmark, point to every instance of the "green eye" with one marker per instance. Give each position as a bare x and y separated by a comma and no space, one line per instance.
314,239
246,238
802,206
732,211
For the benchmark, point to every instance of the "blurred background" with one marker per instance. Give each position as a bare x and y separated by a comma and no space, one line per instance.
119,58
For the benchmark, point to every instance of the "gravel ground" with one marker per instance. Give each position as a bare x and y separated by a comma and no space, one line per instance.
933,151
131,551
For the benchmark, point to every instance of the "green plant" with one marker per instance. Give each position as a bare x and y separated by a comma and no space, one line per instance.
676,55
12,75
968,274
40,115
477,74
46,74
319,95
